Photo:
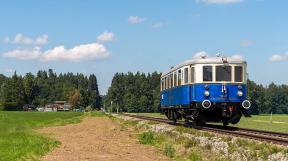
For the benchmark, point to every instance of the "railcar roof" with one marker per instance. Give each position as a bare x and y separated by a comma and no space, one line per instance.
208,60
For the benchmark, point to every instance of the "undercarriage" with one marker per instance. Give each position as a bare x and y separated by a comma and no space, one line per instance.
220,112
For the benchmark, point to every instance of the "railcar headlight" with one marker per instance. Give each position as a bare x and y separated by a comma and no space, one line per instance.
207,93
240,93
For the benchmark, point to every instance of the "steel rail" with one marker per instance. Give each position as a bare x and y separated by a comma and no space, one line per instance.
260,135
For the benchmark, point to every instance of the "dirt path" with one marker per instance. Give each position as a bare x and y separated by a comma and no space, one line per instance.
98,139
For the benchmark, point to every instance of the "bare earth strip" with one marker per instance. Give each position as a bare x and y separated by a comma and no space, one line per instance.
98,139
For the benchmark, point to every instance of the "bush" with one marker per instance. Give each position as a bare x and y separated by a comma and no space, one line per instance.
147,138
169,150
88,109
10,106
194,156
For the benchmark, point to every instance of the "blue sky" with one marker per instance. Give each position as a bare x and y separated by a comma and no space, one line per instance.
104,37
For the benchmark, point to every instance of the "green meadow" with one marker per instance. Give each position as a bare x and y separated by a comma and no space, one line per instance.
20,141
277,123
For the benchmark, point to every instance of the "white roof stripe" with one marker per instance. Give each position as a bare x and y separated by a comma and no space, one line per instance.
208,60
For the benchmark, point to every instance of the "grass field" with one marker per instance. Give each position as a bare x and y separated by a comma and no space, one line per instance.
278,123
18,141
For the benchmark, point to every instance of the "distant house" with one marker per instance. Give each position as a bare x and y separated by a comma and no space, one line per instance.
62,106
47,108
28,107
56,106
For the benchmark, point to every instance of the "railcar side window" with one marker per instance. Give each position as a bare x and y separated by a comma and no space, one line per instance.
186,75
171,80
166,83
175,79
223,73
162,84
207,73
192,75
238,74
179,78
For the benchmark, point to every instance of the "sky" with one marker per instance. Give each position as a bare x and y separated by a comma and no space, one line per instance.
103,37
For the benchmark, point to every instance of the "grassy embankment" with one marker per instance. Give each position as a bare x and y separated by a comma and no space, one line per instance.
19,141
278,123
182,143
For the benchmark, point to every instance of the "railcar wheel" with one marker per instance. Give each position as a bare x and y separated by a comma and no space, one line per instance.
236,118
225,123
174,120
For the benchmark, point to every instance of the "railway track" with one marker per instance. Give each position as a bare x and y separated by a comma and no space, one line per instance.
260,135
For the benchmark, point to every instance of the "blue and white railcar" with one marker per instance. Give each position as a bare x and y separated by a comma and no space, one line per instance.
206,90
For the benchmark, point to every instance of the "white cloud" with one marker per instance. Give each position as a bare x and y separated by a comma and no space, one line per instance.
200,55
23,54
76,54
157,25
219,1
277,57
24,40
246,43
106,36
136,19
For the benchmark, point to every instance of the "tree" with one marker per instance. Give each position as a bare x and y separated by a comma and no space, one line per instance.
95,99
30,88
75,98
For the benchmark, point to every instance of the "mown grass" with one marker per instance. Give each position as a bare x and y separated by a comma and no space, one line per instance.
18,141
96,114
278,123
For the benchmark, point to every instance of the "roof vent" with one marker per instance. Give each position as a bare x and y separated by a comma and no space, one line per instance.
204,56
224,59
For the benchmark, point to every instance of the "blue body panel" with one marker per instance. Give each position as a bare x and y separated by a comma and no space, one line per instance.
185,95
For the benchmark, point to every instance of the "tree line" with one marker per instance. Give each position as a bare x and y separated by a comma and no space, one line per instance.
130,92
268,99
47,87
137,92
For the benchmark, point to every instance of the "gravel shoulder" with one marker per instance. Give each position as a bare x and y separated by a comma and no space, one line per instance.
98,138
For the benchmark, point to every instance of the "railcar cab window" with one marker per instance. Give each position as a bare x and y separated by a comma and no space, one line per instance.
223,73
186,75
238,73
179,77
207,73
